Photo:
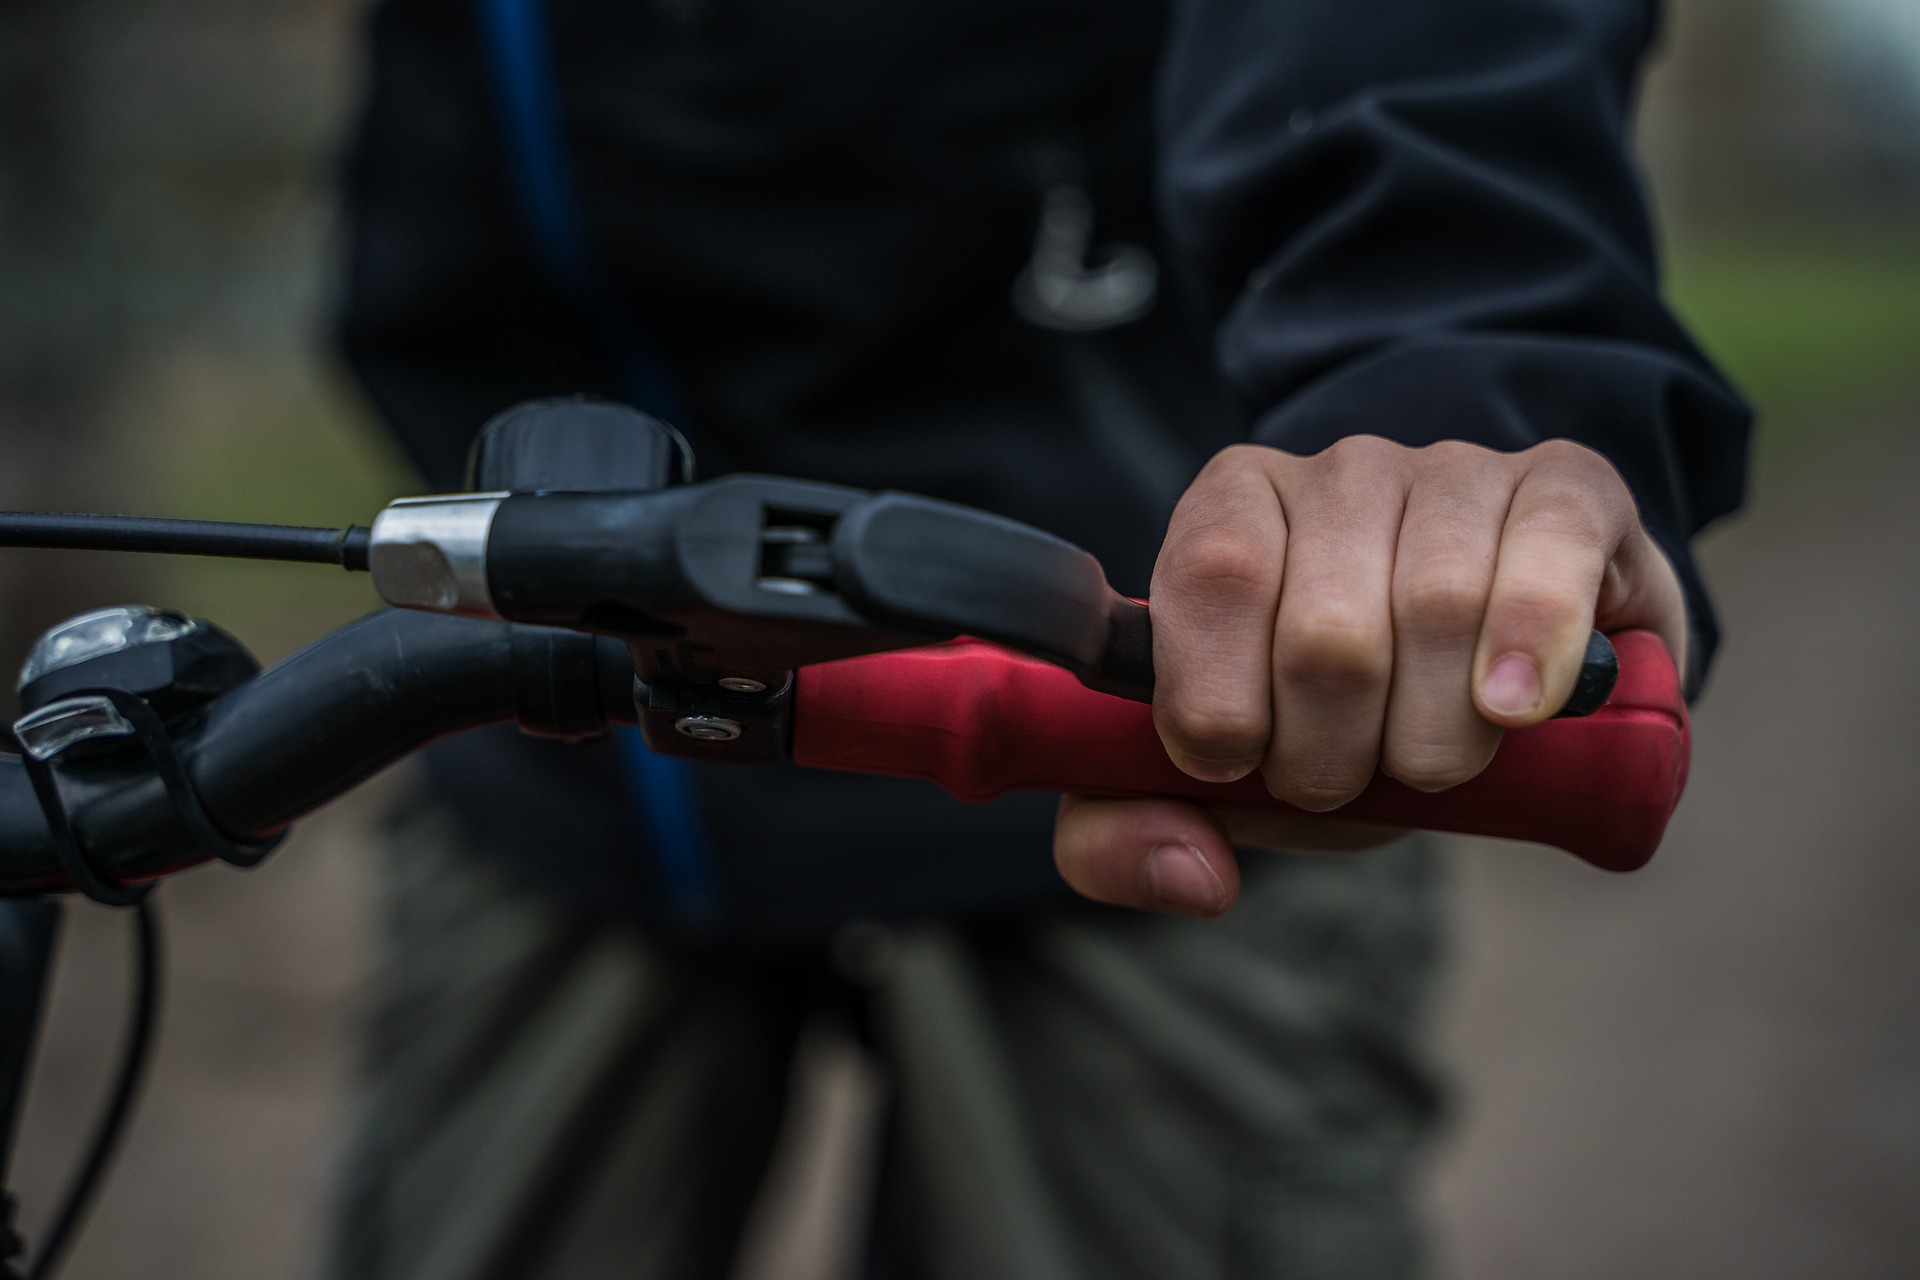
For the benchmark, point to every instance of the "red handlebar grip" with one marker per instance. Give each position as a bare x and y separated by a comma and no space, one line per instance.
981,721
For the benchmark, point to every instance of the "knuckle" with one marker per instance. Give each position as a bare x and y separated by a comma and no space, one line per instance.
1334,649
1222,562
1234,480
1361,455
1317,786
1215,728
1432,766
1465,476
1581,479
1455,453
1243,456
1364,445
1568,455
1559,449
1542,600
1441,604
1569,519
1232,467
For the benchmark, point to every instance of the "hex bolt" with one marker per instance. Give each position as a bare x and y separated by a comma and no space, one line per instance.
708,728
742,684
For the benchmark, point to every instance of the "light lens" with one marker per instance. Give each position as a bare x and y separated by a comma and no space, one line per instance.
93,635
45,733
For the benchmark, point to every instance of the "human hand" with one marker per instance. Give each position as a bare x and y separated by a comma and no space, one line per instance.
1369,607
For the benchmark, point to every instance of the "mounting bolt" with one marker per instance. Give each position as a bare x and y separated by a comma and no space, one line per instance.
708,728
742,684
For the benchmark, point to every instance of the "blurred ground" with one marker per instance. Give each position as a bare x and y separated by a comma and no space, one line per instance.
1704,1069
229,1159
1709,1068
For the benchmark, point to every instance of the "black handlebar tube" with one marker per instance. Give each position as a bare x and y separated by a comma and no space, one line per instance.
312,727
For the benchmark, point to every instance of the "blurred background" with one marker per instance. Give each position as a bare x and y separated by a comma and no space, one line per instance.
1711,1067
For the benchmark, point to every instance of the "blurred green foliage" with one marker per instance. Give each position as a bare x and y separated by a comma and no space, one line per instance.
1819,326
279,441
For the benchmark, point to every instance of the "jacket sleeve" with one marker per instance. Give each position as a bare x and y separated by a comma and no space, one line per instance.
1419,219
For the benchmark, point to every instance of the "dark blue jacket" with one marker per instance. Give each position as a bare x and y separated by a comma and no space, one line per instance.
1415,218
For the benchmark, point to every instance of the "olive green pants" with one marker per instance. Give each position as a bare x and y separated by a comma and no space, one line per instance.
1077,1094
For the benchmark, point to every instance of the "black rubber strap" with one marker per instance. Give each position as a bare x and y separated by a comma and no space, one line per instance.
151,732
153,735
66,845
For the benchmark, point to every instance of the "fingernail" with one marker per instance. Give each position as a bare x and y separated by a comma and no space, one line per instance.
1512,687
1184,881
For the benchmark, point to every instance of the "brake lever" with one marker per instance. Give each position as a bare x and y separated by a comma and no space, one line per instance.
722,589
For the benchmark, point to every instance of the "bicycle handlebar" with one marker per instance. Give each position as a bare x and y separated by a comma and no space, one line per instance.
749,619
976,718
300,734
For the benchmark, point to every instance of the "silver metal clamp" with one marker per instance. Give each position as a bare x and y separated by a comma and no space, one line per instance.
431,553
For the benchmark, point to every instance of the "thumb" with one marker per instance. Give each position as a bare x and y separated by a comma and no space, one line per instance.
1153,855
1572,558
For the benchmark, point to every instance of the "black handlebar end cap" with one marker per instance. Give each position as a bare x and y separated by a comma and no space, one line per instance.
1599,672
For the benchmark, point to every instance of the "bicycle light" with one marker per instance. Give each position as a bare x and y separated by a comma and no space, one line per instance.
99,633
175,662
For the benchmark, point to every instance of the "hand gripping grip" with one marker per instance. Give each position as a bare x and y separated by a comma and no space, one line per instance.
981,721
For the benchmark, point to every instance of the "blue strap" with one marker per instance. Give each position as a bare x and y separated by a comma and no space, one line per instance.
520,56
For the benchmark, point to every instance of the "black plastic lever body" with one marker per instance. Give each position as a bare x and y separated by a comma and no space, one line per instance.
748,577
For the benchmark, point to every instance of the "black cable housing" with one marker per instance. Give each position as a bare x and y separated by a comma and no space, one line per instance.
134,1056
73,532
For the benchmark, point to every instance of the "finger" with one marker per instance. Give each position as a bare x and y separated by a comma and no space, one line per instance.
1155,855
1214,591
1442,576
1571,515
1333,639
1641,589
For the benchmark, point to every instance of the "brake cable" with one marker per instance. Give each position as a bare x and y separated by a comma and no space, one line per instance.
135,1054
74,532
136,717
